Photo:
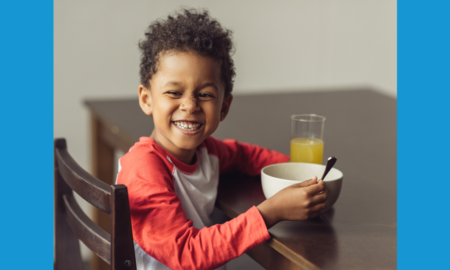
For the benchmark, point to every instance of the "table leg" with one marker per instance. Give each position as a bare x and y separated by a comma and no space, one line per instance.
102,160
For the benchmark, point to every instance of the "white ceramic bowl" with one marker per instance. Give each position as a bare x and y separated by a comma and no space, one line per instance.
278,176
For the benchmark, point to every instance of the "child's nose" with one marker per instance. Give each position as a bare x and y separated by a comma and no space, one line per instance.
190,105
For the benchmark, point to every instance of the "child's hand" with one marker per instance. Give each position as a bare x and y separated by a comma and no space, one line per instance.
297,202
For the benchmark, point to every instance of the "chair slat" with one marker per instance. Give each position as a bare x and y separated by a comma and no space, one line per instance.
122,246
88,187
95,238
67,247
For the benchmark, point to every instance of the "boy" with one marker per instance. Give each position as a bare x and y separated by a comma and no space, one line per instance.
172,176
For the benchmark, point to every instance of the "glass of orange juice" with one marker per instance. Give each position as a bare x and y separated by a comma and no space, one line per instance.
307,138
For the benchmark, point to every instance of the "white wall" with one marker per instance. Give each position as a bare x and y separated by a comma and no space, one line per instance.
280,45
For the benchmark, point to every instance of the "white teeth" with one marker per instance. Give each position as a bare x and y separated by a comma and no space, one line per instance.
187,125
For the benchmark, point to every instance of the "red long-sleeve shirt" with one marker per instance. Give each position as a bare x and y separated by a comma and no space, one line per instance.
171,204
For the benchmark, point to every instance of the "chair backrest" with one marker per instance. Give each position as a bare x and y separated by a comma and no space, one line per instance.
71,223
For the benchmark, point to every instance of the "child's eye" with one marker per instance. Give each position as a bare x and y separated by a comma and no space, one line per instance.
174,94
205,96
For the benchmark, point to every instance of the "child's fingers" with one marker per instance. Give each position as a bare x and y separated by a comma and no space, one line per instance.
315,210
318,199
306,183
316,188
324,187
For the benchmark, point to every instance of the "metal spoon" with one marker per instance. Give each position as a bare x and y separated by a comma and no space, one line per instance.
330,164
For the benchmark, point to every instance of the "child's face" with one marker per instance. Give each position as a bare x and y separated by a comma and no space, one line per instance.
186,99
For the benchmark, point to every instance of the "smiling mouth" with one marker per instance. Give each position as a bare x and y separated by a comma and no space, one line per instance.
186,125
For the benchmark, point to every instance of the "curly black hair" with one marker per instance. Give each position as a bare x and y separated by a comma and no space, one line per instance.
192,31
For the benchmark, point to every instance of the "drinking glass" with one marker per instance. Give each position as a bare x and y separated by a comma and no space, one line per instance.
307,138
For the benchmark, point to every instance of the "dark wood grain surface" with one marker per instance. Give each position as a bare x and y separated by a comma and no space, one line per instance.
359,232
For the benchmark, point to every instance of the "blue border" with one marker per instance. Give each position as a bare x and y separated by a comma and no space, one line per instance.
423,148
26,63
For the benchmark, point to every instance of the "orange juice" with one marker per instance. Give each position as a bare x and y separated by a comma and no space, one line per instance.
306,150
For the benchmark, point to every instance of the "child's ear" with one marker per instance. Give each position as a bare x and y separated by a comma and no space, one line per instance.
145,99
225,106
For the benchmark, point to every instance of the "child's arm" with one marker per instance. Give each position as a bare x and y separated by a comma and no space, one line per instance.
244,158
161,229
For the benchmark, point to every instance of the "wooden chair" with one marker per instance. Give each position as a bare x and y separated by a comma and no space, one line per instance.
71,223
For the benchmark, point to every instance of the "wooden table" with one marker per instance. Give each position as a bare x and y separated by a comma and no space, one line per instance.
359,232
